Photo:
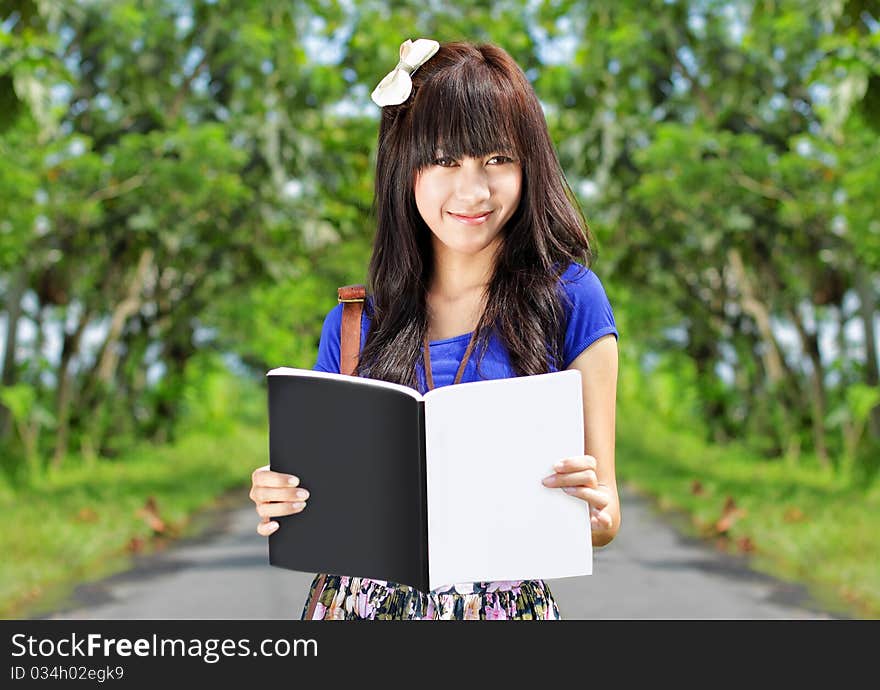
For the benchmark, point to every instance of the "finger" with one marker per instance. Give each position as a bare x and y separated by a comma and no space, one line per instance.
278,509
583,478
601,519
591,496
576,463
291,494
264,529
265,477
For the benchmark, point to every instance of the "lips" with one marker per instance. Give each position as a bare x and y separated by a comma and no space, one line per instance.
472,217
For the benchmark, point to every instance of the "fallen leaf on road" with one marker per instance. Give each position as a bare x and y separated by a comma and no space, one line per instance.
150,514
729,515
745,545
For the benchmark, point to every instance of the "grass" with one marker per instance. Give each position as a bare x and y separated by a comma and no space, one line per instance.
797,522
86,522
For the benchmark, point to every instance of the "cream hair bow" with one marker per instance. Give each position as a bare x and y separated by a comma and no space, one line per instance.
397,85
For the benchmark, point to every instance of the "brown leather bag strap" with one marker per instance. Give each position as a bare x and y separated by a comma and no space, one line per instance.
352,299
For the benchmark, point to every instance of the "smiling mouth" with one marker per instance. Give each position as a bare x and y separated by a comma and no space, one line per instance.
482,215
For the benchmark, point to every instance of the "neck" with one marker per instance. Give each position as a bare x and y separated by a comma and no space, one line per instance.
461,275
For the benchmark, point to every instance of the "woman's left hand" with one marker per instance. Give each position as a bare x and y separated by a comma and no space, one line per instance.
577,477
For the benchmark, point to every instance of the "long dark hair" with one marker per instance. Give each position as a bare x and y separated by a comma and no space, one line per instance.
471,99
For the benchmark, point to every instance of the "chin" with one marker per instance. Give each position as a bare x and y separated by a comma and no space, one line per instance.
469,241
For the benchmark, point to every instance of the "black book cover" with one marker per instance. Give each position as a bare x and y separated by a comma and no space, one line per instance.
360,452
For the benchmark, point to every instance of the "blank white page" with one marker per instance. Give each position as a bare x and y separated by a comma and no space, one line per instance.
489,444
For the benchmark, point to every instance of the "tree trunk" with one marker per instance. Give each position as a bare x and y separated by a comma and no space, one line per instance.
177,352
105,370
779,373
124,309
702,348
774,362
64,396
13,309
810,343
867,308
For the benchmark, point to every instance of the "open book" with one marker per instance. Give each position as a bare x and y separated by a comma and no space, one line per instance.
429,490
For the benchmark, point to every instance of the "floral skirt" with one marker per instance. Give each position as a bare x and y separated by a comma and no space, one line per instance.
340,597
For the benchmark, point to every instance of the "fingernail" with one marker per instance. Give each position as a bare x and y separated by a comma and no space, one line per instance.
293,481
298,505
559,465
548,481
569,489
272,527
302,493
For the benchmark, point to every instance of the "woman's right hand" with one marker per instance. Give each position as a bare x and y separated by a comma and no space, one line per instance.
275,494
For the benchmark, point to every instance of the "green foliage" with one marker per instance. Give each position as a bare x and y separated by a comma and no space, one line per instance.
30,418
199,182
213,400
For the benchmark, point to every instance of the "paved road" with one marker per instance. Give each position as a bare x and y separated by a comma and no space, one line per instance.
648,571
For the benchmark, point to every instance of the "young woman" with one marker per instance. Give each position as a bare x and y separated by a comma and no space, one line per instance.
479,271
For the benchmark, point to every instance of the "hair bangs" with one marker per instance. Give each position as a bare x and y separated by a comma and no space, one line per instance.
464,115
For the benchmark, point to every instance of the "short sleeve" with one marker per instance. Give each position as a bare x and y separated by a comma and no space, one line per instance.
328,347
589,315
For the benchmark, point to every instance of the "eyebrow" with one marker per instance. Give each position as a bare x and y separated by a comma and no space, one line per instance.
504,150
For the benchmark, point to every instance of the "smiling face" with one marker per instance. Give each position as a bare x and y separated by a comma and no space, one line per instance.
450,188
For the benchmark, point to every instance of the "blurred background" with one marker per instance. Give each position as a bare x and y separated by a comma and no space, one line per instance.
185,183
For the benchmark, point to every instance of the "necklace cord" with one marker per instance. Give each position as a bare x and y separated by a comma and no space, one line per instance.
427,360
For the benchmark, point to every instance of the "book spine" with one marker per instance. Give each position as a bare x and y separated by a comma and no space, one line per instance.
423,473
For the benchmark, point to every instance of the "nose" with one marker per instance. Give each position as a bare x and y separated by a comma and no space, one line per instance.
472,184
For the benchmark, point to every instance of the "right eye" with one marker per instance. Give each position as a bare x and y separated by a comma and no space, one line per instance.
440,161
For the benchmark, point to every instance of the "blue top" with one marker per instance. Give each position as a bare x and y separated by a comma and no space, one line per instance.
589,318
